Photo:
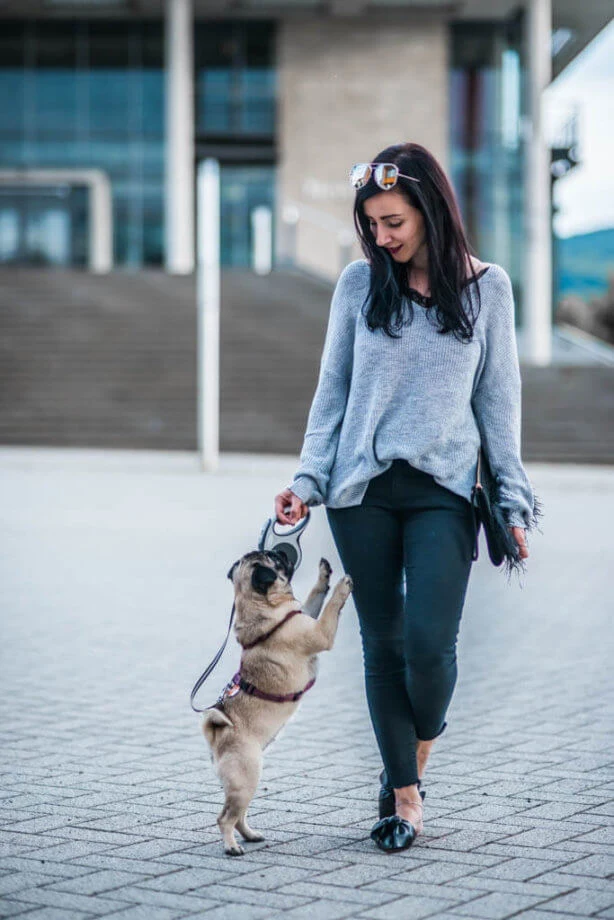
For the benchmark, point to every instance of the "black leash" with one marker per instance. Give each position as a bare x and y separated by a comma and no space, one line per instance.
288,543
203,677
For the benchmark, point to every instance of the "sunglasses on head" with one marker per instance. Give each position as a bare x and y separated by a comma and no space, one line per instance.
385,175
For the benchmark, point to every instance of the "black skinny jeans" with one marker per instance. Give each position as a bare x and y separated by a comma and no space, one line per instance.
407,523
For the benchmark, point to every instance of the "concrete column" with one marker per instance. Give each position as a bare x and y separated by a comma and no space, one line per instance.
262,236
208,314
537,325
101,223
340,104
179,137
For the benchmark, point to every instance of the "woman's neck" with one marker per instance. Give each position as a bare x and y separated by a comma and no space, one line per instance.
418,274
418,271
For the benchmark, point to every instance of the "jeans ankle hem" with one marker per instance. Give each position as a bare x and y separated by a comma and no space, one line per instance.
391,786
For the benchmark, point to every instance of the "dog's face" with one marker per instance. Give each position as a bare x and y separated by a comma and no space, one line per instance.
258,571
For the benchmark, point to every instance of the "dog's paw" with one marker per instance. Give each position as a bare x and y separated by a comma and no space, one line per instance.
236,850
344,587
324,573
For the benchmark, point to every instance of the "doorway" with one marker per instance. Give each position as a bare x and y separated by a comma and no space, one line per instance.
44,226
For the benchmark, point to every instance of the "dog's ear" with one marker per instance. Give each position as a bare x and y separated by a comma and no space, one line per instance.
263,576
231,571
284,561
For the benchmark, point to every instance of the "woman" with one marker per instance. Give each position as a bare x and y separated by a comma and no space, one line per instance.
419,367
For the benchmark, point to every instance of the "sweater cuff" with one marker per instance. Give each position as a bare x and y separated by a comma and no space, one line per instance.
306,489
516,520
529,520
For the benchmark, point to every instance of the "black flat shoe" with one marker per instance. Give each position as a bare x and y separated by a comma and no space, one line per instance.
393,834
386,806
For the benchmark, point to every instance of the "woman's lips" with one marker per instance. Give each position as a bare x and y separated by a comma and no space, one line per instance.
394,250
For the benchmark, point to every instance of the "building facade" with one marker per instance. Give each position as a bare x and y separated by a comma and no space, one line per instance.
107,113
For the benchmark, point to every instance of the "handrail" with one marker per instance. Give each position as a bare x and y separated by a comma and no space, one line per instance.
317,217
294,213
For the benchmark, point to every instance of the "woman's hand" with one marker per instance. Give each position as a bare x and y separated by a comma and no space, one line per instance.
298,509
519,535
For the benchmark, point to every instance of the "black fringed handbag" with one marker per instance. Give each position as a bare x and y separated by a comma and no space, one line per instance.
488,512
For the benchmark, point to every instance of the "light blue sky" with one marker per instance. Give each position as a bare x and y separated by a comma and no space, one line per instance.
586,196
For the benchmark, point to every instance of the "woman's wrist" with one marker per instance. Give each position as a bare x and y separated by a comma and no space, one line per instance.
304,488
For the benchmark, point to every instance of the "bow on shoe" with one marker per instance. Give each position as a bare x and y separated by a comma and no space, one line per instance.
393,834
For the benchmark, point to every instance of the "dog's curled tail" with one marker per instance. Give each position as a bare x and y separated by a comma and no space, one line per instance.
214,718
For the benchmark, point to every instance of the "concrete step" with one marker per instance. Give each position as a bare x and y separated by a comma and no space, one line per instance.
98,361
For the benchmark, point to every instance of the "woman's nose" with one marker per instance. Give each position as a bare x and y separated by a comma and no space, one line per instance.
382,238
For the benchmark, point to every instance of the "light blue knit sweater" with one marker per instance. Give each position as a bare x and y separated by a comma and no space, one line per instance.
424,397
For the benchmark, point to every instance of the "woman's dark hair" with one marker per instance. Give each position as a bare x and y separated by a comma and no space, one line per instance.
449,256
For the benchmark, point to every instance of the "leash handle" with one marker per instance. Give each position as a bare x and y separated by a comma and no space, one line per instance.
287,542
296,528
203,677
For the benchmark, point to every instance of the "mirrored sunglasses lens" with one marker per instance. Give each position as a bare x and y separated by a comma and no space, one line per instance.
360,174
386,175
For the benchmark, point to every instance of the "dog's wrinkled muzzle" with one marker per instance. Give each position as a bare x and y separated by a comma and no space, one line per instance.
393,834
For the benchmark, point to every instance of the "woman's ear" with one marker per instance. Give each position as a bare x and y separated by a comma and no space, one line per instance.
263,576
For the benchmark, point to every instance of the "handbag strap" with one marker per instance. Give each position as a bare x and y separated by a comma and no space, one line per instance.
203,677
474,513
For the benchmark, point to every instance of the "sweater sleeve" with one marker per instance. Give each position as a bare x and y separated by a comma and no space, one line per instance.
330,398
496,404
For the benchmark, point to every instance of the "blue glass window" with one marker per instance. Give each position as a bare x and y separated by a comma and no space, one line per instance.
243,188
90,95
235,79
486,151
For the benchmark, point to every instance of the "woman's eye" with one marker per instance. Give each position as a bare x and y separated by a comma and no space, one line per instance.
373,227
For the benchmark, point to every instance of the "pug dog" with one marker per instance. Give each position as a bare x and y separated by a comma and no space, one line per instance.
281,642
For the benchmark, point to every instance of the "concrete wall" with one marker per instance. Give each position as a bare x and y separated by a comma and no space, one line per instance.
349,88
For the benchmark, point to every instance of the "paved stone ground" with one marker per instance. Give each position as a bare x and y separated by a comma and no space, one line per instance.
114,598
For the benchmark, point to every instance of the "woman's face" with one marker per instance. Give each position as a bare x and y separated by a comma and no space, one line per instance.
395,224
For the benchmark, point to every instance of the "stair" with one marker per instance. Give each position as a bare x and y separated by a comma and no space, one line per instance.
568,414
110,361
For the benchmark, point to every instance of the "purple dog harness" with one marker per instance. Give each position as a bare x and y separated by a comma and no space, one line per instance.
238,682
